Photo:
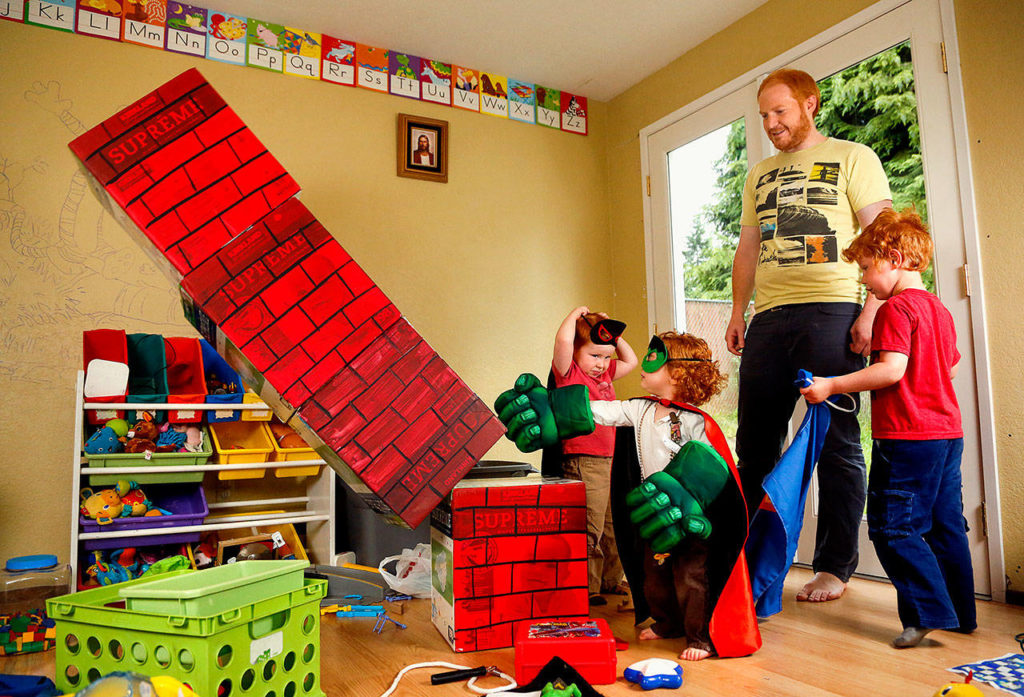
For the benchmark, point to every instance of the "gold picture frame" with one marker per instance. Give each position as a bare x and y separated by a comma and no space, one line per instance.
422,148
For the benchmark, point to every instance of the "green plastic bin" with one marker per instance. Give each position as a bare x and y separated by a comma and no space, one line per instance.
217,590
152,473
270,645
147,373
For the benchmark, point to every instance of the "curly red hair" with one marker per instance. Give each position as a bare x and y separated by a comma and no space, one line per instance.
799,83
696,381
901,231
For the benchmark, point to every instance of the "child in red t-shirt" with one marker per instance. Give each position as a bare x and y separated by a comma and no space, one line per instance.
915,508
585,347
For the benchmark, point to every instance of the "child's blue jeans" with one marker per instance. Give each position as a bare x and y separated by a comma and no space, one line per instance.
916,522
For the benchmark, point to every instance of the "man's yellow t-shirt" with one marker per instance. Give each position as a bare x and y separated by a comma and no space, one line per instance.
805,205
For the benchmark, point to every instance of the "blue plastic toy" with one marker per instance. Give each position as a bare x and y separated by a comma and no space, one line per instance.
653,673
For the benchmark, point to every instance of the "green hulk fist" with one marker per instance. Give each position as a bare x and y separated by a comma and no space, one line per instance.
670,504
537,417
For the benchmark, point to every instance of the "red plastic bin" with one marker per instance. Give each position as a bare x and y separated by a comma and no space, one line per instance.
107,345
586,645
186,379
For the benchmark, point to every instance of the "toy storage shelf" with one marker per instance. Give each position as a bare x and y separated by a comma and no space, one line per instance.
314,504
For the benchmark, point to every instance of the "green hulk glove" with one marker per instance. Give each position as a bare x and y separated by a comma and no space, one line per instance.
670,504
537,417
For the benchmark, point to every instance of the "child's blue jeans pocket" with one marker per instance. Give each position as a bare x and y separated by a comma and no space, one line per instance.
889,514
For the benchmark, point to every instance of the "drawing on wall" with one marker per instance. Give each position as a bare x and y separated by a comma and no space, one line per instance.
62,271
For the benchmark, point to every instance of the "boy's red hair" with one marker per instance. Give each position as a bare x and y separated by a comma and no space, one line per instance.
799,83
696,381
902,231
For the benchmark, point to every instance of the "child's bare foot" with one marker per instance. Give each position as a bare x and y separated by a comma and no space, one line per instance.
647,634
911,636
824,586
694,654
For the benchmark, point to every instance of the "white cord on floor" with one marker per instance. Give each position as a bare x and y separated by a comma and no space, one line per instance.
471,684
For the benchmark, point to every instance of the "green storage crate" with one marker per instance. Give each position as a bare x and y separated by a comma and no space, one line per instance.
270,645
215,590
152,474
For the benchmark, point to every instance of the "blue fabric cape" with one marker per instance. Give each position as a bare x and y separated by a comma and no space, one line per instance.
775,527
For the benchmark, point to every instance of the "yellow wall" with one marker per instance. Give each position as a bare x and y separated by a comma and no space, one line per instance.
478,265
991,56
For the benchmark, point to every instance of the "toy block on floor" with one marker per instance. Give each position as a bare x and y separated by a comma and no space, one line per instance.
281,300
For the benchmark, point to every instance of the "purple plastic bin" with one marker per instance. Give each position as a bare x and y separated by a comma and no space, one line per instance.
186,502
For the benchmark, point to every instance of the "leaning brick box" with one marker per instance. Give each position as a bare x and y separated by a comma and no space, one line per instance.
504,551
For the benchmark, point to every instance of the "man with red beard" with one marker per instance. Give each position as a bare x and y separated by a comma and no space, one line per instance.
801,208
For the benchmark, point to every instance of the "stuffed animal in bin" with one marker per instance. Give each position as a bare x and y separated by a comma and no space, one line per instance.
125,499
108,439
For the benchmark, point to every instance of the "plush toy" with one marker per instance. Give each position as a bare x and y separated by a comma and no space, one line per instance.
106,574
144,428
103,442
960,689
162,566
120,427
170,435
102,506
193,440
125,499
140,445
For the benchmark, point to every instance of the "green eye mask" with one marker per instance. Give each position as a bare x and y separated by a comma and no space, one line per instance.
657,356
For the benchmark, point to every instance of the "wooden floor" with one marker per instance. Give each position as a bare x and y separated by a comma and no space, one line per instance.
836,648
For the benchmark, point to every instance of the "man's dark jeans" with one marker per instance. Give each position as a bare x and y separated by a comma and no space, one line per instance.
779,342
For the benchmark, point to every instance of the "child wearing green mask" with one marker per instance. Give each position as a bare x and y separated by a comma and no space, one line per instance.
680,519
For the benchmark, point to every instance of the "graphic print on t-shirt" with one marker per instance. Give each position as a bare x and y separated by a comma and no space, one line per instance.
793,231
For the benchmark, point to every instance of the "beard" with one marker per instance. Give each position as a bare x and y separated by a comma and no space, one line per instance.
793,137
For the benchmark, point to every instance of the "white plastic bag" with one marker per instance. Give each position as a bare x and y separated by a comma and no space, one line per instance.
412,571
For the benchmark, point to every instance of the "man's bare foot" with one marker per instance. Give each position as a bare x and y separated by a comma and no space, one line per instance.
824,586
647,634
694,654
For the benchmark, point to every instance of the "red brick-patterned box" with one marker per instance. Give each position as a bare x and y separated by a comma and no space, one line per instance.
504,551
282,301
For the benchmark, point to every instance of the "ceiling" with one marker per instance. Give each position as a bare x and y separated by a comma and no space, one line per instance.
597,48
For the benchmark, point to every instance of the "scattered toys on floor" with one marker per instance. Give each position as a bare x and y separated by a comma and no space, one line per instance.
654,673
26,633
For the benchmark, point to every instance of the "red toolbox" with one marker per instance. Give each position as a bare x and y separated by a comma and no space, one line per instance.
586,645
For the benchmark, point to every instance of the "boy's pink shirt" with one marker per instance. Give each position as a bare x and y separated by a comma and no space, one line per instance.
600,443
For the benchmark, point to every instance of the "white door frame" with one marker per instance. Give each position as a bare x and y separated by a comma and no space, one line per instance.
970,236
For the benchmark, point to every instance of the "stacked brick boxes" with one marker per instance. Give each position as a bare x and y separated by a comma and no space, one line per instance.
283,302
506,551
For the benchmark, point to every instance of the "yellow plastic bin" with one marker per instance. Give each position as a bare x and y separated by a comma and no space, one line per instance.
237,442
283,436
286,530
250,397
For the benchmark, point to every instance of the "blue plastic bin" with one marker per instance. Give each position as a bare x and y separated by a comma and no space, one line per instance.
218,368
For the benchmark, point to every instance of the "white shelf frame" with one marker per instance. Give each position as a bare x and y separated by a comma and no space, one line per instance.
319,499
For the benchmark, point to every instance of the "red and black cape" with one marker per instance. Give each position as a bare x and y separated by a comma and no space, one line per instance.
733,626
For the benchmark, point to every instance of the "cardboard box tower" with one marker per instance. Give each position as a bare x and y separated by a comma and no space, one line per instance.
282,301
